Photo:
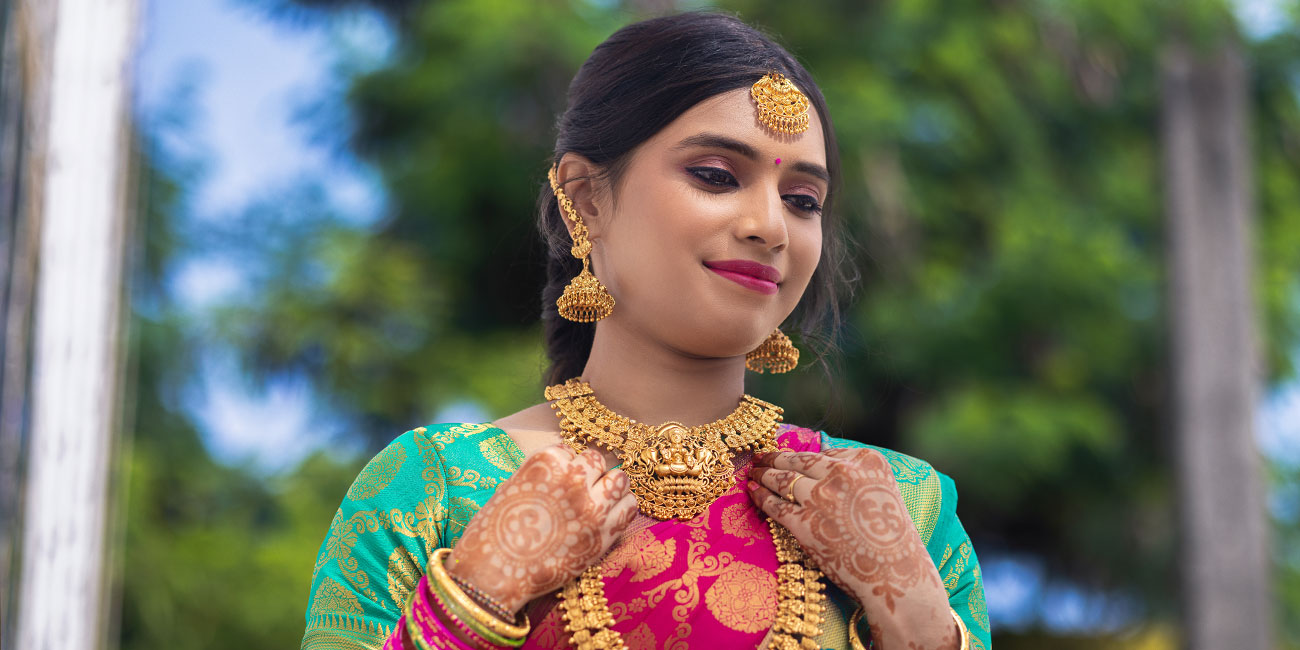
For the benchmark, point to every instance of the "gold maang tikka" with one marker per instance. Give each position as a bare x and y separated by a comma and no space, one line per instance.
585,299
781,105
776,354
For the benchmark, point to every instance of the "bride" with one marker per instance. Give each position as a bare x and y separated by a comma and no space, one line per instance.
647,501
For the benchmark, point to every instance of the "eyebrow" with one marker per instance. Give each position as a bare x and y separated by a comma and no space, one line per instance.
714,141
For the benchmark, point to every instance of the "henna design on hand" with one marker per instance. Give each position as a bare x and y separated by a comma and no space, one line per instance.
848,514
556,516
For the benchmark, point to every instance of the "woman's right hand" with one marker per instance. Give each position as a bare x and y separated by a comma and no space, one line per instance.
557,515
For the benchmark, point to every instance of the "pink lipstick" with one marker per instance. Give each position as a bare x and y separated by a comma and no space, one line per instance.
751,275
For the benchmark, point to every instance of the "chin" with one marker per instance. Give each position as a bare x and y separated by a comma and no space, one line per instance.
724,338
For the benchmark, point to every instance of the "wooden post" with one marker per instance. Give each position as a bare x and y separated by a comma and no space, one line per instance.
79,311
1208,190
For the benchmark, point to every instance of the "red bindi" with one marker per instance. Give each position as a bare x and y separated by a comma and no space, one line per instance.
778,161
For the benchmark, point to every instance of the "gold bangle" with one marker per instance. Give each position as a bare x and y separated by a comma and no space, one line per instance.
445,585
855,641
961,627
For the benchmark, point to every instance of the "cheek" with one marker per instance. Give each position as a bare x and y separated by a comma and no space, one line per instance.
805,248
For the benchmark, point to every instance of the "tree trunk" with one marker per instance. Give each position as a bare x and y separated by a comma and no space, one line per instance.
77,329
1208,190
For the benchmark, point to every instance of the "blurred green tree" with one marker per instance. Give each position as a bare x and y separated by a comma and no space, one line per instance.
213,556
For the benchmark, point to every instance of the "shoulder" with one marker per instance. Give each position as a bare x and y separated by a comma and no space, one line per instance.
929,494
469,454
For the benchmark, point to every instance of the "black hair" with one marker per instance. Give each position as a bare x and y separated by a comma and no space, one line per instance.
635,83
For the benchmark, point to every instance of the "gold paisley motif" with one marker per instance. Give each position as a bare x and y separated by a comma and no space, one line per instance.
908,469
953,575
501,452
403,575
378,473
464,477
978,607
332,598
743,598
466,429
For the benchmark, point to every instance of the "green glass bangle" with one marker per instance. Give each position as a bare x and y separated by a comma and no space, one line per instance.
468,619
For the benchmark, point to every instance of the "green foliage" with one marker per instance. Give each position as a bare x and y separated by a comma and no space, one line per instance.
214,556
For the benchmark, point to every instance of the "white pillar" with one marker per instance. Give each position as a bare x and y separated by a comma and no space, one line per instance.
77,327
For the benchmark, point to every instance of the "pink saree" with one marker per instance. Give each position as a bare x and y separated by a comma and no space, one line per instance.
705,583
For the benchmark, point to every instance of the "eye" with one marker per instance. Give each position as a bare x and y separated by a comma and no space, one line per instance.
715,176
803,203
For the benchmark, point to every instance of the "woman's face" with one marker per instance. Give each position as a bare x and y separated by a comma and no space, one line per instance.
714,230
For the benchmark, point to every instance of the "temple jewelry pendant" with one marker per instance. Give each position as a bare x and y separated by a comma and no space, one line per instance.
674,473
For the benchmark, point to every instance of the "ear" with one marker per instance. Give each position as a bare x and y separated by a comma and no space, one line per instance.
578,178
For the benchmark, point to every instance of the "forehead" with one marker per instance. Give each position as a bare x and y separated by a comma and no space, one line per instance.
734,114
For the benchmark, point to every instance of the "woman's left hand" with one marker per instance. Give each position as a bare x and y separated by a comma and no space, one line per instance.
845,509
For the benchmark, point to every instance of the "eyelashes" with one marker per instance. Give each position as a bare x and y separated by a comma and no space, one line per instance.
721,178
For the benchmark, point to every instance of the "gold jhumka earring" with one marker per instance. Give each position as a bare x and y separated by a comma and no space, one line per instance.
781,105
777,354
585,299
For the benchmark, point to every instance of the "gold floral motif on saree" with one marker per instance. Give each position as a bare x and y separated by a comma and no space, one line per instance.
734,522
641,638
645,554
378,473
743,598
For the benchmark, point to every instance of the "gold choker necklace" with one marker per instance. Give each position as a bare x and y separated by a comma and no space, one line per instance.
675,470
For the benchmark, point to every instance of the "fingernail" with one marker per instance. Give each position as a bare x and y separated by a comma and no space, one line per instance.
751,485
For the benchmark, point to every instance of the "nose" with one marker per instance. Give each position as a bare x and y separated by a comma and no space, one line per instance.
763,221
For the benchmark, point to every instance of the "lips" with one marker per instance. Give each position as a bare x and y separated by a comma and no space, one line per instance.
751,275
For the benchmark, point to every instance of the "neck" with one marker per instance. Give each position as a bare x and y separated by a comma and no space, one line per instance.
652,383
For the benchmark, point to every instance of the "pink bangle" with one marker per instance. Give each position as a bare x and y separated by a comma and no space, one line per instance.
397,640
424,630
434,623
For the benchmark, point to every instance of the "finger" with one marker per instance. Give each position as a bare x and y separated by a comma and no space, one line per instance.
812,463
611,486
618,518
624,512
771,504
779,481
591,463
869,459
557,452
846,453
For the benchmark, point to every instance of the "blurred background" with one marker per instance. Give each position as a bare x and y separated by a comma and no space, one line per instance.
328,239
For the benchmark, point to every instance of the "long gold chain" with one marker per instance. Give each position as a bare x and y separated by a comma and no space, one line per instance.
676,471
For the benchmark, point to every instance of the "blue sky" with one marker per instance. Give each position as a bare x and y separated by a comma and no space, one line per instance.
250,78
